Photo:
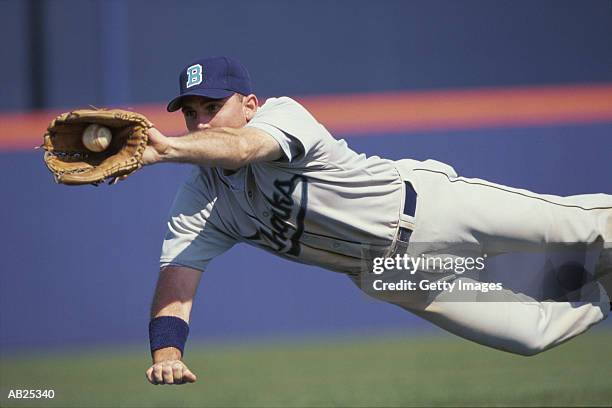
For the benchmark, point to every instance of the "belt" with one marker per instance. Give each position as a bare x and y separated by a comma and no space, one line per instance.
410,201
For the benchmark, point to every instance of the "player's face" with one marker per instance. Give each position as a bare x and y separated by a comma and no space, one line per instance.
204,113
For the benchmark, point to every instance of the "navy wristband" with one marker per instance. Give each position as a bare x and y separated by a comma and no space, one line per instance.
168,331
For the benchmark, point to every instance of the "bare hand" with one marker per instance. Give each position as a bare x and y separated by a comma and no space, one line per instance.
170,372
156,148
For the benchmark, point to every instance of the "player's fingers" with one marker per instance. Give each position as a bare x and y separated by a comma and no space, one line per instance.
188,376
157,374
167,374
177,372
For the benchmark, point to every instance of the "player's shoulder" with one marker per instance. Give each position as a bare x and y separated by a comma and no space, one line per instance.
284,108
281,103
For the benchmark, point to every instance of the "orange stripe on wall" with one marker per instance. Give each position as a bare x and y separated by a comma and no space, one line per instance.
464,109
355,114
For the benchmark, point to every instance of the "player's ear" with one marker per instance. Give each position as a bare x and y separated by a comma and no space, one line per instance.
249,106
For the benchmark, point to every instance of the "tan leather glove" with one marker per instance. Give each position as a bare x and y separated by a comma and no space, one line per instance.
72,163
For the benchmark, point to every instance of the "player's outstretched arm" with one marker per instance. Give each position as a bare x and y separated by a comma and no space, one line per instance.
225,147
170,311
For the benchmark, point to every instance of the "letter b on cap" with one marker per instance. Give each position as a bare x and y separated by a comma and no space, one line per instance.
194,75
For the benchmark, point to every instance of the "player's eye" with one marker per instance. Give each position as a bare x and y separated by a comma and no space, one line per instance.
189,114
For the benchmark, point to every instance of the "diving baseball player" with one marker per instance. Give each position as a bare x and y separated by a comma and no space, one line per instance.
273,177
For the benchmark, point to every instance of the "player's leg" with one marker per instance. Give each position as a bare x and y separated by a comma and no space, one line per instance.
511,321
504,320
497,219
457,209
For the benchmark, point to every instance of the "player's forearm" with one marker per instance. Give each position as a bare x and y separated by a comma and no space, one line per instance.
227,148
174,293
176,287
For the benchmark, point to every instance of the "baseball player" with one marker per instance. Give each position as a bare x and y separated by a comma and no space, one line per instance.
274,177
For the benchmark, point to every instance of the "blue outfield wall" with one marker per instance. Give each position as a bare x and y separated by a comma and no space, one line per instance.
79,264
109,52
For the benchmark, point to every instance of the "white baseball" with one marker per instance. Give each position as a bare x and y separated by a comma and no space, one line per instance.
97,138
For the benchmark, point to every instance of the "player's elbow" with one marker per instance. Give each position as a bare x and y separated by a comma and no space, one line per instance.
241,152
252,145
244,151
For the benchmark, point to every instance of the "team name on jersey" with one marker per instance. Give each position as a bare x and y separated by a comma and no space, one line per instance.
282,236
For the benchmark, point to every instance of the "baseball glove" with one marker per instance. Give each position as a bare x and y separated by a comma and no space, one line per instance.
72,163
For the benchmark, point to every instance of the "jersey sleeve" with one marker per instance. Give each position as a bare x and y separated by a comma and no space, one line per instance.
297,132
191,239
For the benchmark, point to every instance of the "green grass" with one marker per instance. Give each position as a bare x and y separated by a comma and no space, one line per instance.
389,371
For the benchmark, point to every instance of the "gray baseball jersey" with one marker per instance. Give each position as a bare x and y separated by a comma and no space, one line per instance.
320,204
323,204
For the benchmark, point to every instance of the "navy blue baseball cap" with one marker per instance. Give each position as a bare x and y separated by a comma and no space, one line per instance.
213,77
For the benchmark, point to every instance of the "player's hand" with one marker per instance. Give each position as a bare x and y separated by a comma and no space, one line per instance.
157,147
170,372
